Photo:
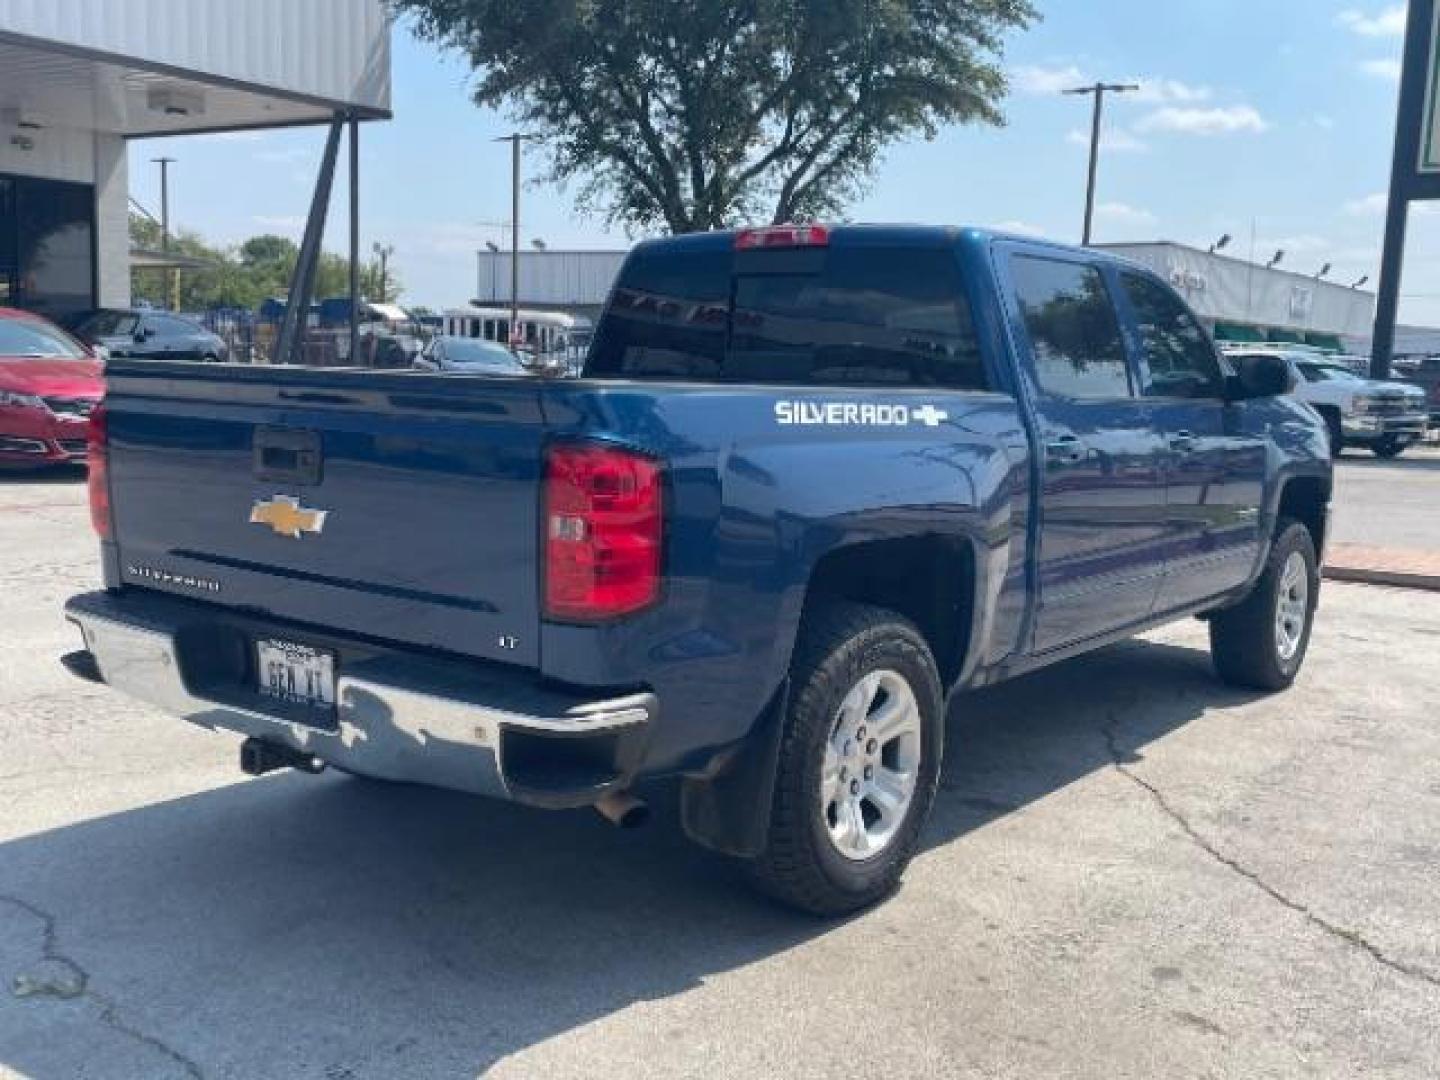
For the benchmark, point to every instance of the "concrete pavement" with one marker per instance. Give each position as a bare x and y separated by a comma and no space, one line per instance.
1386,528
1132,872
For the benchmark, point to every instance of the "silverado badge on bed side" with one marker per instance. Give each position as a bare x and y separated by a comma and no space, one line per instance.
287,517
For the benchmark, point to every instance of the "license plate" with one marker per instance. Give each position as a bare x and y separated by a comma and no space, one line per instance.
296,674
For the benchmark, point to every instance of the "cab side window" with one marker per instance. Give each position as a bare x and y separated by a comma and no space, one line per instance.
1074,334
1178,355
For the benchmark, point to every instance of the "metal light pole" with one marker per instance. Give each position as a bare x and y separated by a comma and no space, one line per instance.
494,250
1098,91
354,327
173,274
515,140
383,253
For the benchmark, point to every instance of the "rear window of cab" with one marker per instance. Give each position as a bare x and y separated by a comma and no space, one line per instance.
872,316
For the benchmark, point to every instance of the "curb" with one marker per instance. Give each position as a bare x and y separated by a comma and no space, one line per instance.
1396,579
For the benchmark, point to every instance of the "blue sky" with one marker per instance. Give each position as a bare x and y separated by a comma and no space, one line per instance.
1278,113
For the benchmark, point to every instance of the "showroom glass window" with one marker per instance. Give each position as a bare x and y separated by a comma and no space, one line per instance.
47,245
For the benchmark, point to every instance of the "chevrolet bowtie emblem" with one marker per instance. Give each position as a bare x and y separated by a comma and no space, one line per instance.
287,517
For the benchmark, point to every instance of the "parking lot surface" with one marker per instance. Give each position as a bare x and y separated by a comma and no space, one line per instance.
1132,871
1389,503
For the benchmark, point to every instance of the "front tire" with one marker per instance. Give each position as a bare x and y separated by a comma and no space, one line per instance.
1261,643
1333,429
859,762
1389,447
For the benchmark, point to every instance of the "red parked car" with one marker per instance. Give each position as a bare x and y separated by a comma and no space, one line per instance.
49,386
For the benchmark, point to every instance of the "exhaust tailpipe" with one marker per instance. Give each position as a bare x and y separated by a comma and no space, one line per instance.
623,810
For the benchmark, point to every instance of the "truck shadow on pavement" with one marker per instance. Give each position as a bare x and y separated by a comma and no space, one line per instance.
301,926
59,474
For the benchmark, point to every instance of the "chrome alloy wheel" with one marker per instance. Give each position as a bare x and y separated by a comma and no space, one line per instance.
1292,607
872,764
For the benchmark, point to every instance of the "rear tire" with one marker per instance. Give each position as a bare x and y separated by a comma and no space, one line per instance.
1261,643
1388,448
859,762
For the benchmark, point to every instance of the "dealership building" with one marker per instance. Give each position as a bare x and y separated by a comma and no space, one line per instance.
1239,301
1244,301
79,78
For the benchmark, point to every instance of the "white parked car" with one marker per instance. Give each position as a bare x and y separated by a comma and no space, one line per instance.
1386,417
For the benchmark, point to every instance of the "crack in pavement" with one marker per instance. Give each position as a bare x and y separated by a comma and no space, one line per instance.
1351,937
81,989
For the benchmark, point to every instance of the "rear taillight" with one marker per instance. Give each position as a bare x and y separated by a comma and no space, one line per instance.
782,236
603,532
98,460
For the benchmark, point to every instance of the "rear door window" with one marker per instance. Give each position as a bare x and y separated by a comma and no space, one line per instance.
1074,333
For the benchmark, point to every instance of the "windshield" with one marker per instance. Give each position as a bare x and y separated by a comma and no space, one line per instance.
1328,373
32,339
109,324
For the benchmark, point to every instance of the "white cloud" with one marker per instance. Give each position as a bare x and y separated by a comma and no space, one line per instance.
1020,228
1376,205
1387,23
1119,213
1040,81
1047,81
1369,206
1168,91
1236,119
1304,244
1117,140
1389,70
1324,121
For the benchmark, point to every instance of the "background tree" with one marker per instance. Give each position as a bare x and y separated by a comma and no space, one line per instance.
243,276
698,114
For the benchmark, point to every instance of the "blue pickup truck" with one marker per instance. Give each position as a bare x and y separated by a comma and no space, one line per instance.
814,483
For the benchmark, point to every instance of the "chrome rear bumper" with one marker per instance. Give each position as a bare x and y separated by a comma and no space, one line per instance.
397,718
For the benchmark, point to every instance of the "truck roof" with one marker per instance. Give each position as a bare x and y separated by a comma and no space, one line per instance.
888,235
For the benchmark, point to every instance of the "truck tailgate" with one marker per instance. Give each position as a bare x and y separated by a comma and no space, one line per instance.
402,506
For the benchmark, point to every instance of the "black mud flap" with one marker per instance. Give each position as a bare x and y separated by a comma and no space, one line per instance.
729,810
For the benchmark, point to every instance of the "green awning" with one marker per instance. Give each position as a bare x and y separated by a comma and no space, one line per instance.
1328,342
1227,331
1289,337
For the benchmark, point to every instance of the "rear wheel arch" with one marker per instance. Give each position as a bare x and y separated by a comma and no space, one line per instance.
929,579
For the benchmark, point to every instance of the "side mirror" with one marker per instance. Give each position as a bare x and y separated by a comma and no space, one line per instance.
1259,377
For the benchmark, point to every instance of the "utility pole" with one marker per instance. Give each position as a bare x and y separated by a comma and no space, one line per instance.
1413,175
1098,91
354,327
383,253
172,273
515,140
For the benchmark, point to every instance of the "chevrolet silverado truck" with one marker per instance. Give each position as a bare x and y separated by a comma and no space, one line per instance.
813,484
1385,417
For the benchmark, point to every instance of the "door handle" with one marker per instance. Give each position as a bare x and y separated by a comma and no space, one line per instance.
1066,450
1182,442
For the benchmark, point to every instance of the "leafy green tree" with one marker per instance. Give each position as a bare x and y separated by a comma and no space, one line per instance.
243,276
697,114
